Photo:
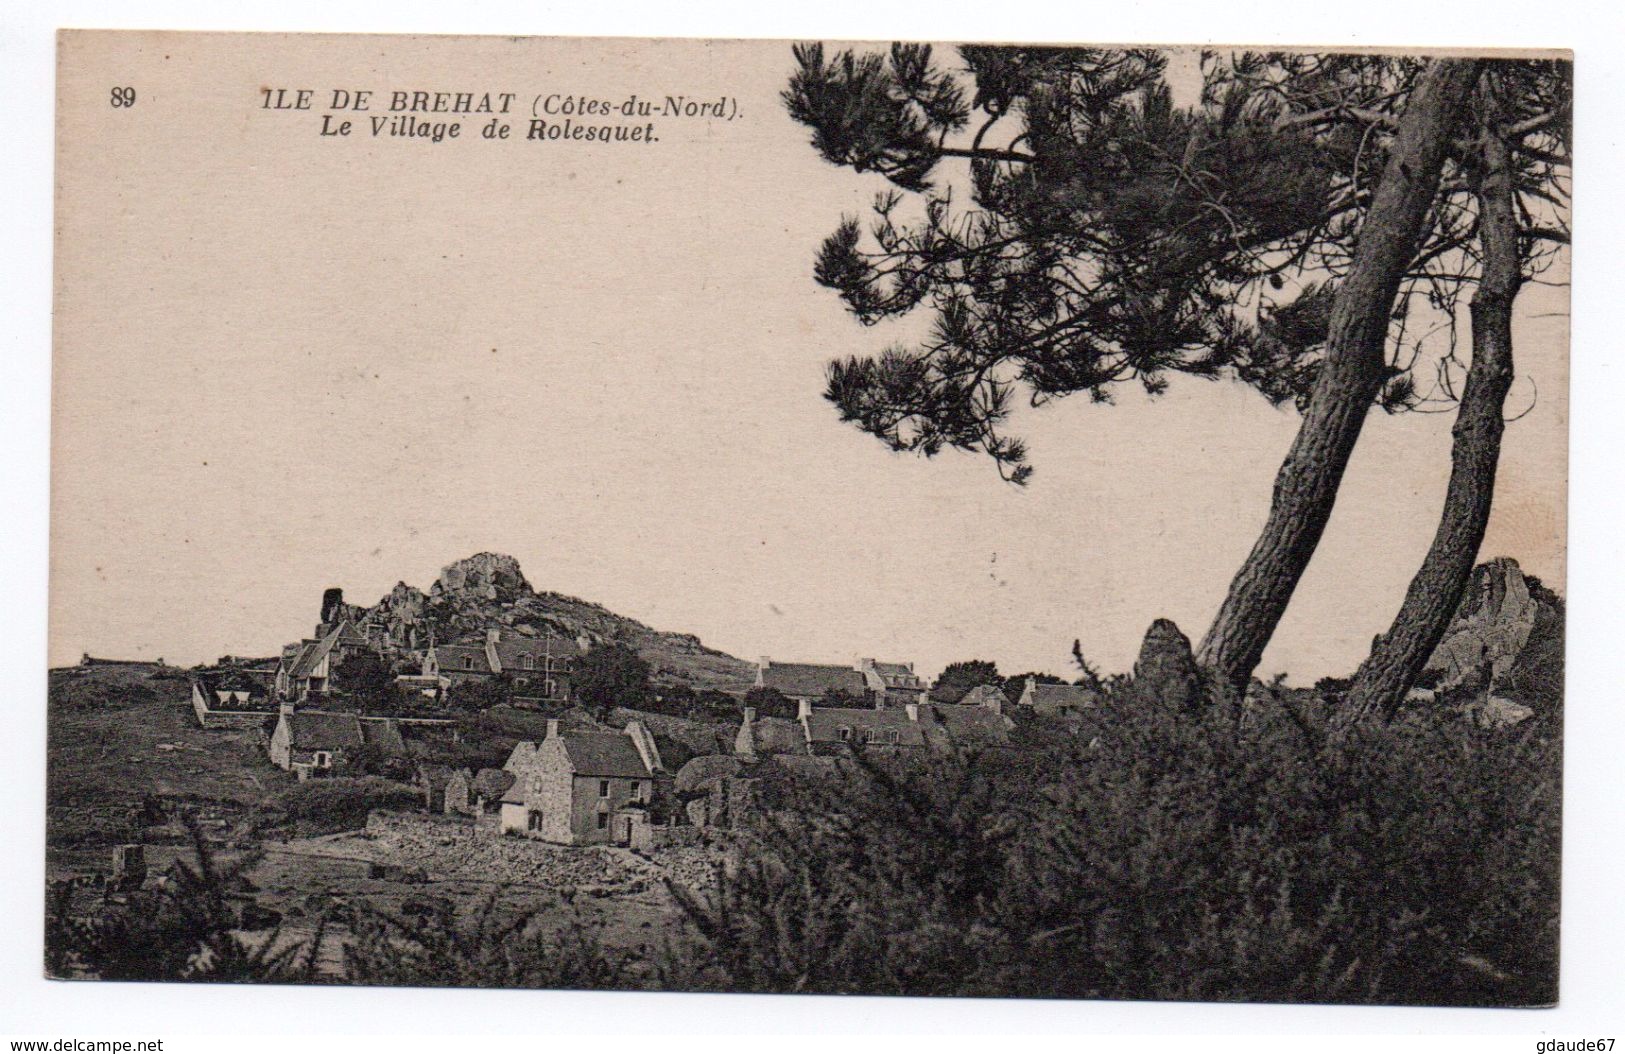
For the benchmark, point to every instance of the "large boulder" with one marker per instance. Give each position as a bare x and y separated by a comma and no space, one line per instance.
698,773
1166,670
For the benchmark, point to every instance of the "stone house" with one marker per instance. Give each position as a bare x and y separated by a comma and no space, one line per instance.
893,683
826,730
834,727
475,794
806,682
869,680
314,743
305,670
985,697
1058,700
583,788
432,781
537,667
486,792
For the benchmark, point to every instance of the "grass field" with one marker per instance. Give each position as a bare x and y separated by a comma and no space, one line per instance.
124,751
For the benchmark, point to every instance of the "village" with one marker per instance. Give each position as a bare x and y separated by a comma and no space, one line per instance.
643,780
489,755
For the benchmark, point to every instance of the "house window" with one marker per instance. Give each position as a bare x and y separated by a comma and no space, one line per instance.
637,791
468,662
324,759
535,820
548,688
603,820
891,736
530,662
844,732
603,788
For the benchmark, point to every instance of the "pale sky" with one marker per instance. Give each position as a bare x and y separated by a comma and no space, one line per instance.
287,362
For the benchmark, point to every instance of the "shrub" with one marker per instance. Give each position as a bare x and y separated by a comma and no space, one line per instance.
770,702
186,928
1160,855
324,806
428,944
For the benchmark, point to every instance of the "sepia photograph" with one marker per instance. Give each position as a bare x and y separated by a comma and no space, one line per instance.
823,517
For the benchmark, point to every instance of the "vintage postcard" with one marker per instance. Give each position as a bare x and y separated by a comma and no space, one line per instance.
809,517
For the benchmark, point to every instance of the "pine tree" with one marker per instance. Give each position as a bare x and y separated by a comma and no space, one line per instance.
1281,232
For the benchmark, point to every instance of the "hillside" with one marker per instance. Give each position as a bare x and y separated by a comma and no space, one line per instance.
488,590
124,752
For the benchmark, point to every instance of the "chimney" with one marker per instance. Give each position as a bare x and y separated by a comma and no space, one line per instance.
647,749
803,709
552,728
764,662
913,711
493,634
750,715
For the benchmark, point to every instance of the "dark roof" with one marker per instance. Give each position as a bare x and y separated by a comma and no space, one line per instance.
384,734
450,657
347,633
603,754
311,653
303,659
493,783
319,730
824,725
982,695
1059,696
974,722
545,654
813,680
898,675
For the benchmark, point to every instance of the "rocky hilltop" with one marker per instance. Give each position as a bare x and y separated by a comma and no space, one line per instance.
488,590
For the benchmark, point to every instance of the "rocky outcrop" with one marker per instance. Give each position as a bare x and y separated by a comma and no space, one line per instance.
1505,643
486,576
1166,670
489,591
399,618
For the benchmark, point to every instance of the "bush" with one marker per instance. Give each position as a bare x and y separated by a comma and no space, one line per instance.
477,695
324,806
1160,855
183,929
429,945
770,702
610,676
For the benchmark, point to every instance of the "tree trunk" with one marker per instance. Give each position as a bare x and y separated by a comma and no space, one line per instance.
1398,656
1351,376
